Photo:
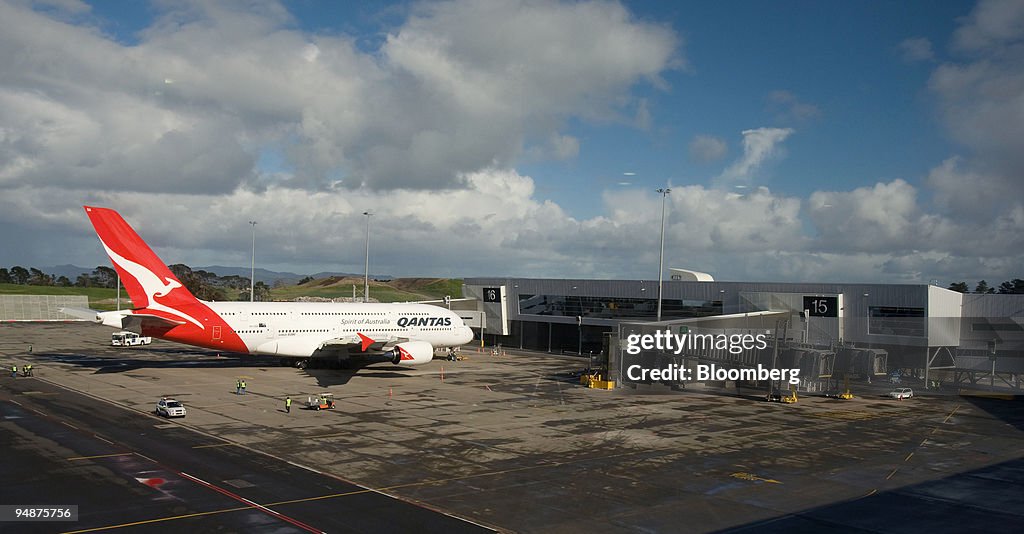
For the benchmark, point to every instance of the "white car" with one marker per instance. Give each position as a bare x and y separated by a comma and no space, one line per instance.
901,393
170,408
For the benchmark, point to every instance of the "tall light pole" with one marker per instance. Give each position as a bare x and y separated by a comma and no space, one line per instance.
252,268
366,275
661,260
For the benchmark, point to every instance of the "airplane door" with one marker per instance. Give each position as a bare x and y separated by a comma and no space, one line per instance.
216,333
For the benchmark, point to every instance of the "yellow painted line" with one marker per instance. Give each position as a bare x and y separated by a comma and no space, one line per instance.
754,478
149,521
909,455
100,456
214,445
322,497
893,473
951,414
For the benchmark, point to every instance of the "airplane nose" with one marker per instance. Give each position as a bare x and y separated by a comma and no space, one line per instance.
467,335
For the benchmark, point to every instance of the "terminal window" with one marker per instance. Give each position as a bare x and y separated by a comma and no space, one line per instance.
896,321
996,327
615,307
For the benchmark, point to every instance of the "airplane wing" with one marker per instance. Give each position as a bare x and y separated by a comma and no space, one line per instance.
362,342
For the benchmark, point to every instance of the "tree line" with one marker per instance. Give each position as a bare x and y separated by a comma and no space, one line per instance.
1011,287
203,284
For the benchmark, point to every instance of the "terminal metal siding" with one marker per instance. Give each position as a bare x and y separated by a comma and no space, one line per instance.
1005,311
944,308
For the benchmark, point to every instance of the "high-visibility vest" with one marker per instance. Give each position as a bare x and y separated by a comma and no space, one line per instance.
288,401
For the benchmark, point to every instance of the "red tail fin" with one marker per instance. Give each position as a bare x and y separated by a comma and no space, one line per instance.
142,273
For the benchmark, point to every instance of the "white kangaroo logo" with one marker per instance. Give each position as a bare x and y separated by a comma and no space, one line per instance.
151,284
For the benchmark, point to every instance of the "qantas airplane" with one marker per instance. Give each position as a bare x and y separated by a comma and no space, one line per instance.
404,334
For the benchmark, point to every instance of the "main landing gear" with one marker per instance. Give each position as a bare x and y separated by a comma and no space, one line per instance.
298,364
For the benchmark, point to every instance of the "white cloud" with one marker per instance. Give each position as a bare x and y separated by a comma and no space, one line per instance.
968,194
498,225
982,99
991,24
707,148
759,145
916,49
885,217
456,88
426,132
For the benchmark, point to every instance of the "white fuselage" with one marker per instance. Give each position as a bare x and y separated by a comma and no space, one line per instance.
299,328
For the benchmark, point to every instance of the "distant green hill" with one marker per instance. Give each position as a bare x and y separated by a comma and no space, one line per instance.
396,290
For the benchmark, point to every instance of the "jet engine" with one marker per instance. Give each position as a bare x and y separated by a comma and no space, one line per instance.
411,353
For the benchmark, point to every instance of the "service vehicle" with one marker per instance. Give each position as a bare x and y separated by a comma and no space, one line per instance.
129,339
323,401
170,408
901,393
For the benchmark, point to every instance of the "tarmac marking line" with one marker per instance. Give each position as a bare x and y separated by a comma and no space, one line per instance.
69,424
300,466
321,497
100,456
258,506
214,445
944,421
157,520
753,478
143,456
911,454
101,438
893,473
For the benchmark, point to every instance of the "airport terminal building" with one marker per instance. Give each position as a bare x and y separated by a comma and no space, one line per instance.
827,329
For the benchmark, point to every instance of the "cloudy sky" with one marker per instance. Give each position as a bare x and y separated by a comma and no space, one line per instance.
822,141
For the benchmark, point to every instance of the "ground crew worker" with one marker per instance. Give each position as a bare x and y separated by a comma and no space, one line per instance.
238,387
28,370
243,387
14,371
288,405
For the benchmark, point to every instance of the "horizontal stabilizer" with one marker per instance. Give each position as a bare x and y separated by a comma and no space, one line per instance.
84,314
